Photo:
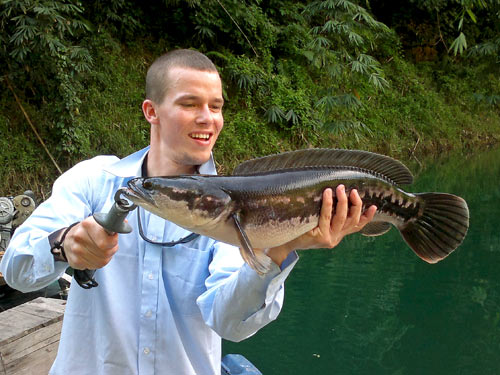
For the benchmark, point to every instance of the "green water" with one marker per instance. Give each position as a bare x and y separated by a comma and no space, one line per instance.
372,307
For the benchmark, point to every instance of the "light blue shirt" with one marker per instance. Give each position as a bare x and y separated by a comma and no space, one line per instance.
157,310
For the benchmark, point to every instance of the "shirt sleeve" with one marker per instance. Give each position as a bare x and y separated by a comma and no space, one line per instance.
238,302
28,264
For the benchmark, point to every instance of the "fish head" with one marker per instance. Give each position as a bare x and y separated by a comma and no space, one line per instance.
190,201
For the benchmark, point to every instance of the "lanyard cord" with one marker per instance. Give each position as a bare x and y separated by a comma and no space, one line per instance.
186,239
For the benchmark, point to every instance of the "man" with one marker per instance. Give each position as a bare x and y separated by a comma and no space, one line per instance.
158,309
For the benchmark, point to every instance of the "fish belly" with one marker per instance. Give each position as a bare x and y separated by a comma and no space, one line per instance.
272,220
277,233
265,234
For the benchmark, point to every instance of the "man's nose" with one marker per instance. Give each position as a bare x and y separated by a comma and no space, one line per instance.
204,115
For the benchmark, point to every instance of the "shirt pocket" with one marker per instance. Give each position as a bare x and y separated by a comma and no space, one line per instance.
184,272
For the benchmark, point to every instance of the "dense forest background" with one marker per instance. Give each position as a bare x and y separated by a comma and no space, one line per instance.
404,78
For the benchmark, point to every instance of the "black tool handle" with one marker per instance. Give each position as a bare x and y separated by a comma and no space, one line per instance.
113,222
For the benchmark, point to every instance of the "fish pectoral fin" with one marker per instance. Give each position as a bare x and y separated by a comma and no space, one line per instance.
375,228
260,262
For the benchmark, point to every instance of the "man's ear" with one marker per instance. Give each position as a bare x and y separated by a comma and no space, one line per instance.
149,110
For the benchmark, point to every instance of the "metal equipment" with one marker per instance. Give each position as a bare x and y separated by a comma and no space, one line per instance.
13,212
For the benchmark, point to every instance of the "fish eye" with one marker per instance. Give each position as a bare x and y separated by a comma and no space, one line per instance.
147,185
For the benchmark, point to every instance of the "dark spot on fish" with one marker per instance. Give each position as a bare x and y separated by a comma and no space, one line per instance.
182,195
209,203
298,207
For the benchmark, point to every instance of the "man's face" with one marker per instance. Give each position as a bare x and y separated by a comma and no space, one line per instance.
189,119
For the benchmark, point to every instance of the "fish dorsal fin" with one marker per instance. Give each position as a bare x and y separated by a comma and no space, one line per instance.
326,157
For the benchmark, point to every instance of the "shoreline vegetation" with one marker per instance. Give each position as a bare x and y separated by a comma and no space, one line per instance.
292,80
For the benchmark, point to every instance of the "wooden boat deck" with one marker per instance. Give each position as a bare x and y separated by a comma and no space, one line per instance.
29,336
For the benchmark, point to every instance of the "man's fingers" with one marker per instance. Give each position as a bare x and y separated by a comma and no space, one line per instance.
326,211
89,246
101,239
356,206
340,210
364,219
357,219
367,216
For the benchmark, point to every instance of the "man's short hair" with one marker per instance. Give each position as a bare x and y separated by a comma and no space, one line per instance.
157,77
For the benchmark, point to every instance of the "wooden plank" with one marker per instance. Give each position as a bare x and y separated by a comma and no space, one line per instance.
28,317
48,308
38,362
3,371
29,336
15,324
31,342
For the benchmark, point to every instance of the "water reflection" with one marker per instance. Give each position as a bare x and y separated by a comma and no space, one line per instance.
373,307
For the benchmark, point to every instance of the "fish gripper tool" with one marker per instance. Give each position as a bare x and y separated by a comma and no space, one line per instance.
112,222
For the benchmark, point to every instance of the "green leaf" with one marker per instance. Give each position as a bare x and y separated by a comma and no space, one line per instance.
274,114
471,15
459,45
205,32
291,115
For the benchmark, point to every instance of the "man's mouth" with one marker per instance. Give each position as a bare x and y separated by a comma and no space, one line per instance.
200,136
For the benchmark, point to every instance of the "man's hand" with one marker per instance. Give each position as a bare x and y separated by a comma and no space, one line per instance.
88,246
332,228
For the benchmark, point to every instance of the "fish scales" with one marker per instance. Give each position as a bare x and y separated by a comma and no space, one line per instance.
276,205
275,208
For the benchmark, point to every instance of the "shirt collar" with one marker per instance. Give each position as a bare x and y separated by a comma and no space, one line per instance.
130,166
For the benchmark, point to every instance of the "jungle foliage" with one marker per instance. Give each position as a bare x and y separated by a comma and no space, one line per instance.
399,77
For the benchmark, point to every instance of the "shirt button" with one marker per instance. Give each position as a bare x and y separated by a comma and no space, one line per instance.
146,351
150,276
148,314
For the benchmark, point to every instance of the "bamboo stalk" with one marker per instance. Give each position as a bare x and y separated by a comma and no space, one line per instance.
31,124
239,28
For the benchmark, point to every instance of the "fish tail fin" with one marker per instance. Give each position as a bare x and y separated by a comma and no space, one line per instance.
440,228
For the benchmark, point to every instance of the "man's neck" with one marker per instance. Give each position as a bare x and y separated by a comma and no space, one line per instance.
151,168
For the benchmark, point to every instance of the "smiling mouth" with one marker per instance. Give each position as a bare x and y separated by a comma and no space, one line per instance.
200,136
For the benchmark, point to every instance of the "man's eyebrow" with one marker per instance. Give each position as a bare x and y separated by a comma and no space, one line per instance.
195,97
187,97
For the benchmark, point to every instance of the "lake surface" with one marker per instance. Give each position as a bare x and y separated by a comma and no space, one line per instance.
373,307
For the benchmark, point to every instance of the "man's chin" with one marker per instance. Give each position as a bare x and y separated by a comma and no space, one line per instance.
196,160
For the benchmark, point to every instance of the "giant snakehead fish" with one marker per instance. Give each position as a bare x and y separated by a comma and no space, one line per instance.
272,200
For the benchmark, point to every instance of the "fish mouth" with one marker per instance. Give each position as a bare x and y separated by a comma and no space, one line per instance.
136,193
